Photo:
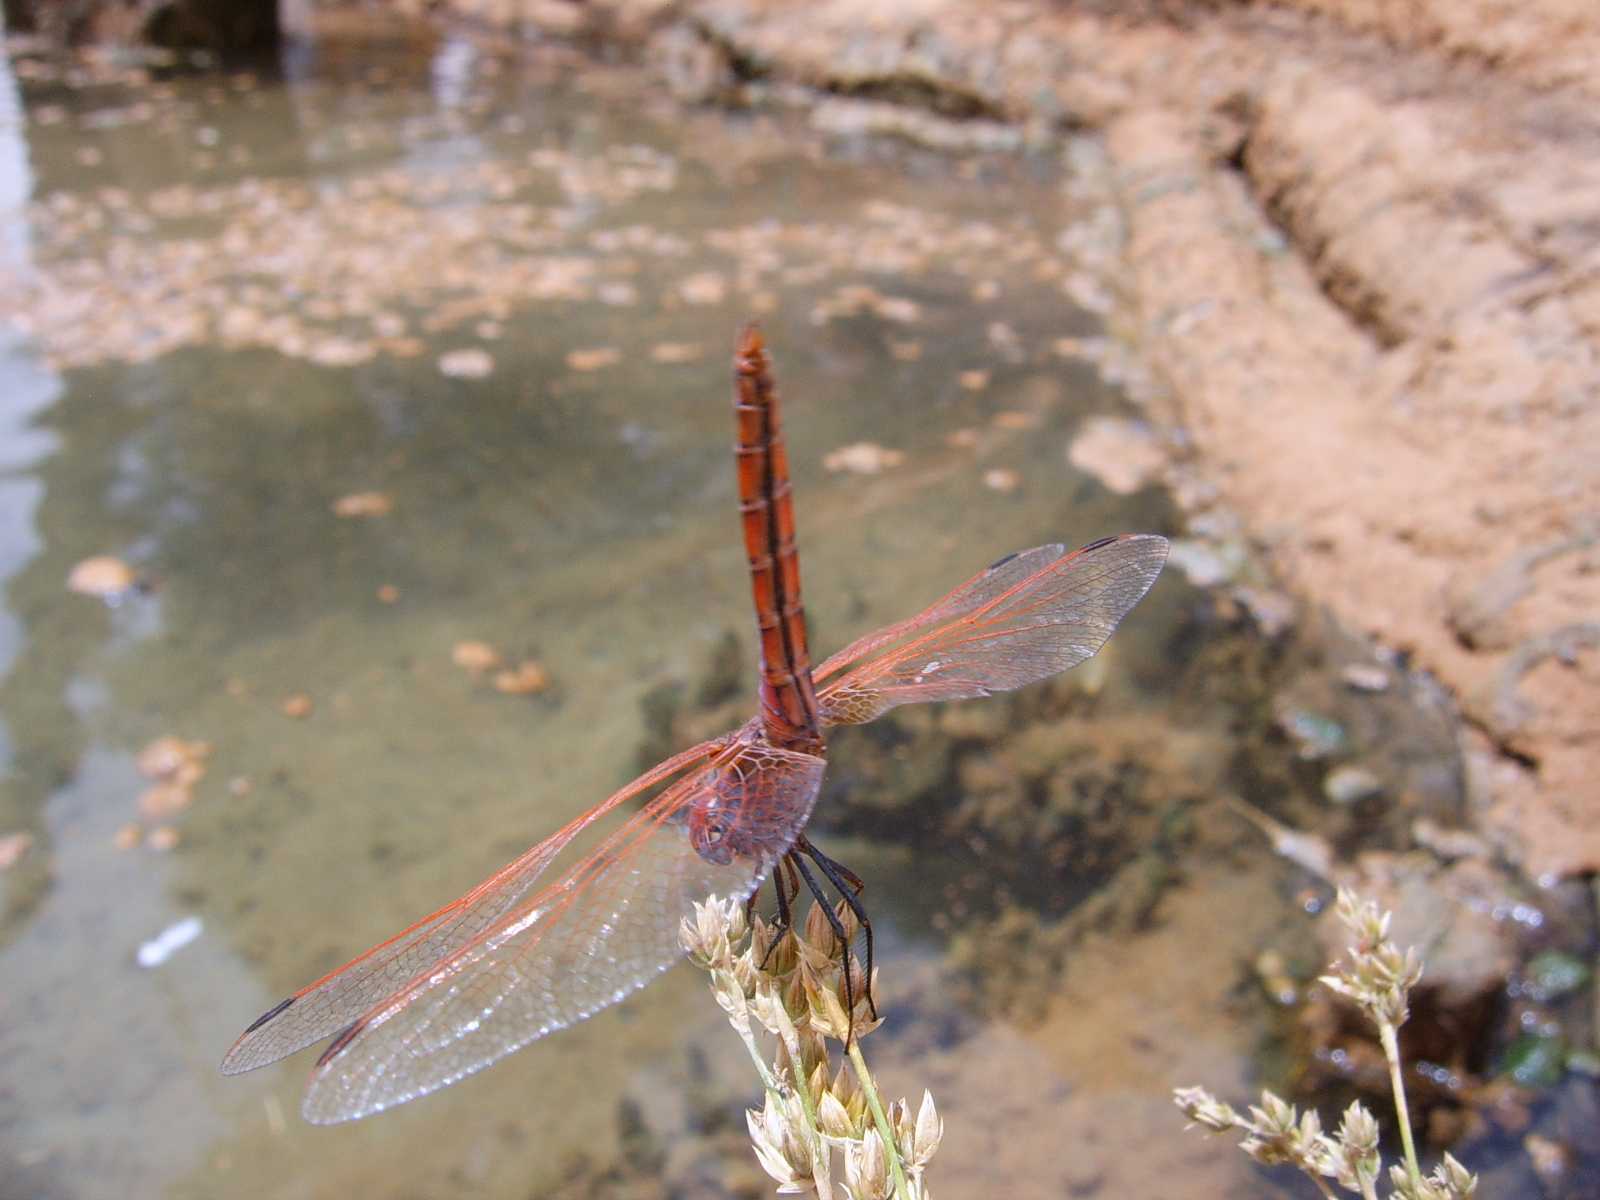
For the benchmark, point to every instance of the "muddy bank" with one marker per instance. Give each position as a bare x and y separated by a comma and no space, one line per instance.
1359,252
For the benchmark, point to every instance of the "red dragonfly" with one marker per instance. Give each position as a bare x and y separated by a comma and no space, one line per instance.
507,963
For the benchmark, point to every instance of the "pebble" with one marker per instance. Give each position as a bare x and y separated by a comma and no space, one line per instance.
1350,785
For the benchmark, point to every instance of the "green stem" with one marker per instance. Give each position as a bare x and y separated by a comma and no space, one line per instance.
890,1146
1391,1051
790,1038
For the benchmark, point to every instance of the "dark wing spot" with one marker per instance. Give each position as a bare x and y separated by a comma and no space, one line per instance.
268,1015
1105,541
337,1046
1000,562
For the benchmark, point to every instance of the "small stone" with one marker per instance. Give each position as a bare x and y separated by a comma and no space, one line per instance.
102,576
173,759
388,593
162,839
240,786
1315,735
1001,480
1350,785
974,381
1016,421
1123,455
128,837
297,706
164,801
1365,677
13,847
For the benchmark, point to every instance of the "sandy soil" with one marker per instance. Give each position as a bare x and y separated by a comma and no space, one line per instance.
1360,253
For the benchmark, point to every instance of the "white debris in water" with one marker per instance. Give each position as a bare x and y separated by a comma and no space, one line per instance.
169,941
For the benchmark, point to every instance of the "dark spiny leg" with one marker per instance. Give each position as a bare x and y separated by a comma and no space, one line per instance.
785,887
850,886
837,926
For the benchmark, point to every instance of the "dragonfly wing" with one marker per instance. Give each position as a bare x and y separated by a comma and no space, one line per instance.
331,1003
604,930
1027,617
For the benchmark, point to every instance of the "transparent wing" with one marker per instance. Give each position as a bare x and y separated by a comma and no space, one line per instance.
604,930
331,1003
1027,617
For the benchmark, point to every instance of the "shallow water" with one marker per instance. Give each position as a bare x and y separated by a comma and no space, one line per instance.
242,295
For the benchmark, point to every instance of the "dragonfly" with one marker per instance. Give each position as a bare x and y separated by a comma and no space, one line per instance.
517,958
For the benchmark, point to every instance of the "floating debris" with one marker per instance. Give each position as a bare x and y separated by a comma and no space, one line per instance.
162,839
974,380
676,352
475,656
364,504
594,359
128,837
164,801
298,706
1001,479
173,760
525,679
862,458
617,293
13,848
474,362
240,786
388,593
1014,420
103,576
168,942
706,287
963,439
852,300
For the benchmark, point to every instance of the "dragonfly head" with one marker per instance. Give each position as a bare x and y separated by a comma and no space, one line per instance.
710,831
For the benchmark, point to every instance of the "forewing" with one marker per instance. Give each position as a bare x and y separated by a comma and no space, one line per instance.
331,1003
1024,619
604,930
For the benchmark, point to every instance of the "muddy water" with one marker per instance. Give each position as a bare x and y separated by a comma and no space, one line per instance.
501,295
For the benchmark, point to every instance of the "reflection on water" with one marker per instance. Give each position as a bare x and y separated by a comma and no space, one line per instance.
501,295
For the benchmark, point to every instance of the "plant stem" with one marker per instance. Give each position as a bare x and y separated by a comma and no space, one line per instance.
890,1146
1391,1051
790,1038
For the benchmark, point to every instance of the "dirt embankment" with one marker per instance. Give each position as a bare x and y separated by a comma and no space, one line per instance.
1362,250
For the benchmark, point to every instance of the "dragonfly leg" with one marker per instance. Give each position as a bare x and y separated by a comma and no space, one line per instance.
837,925
850,887
785,887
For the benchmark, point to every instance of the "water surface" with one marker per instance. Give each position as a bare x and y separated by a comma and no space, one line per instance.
247,296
